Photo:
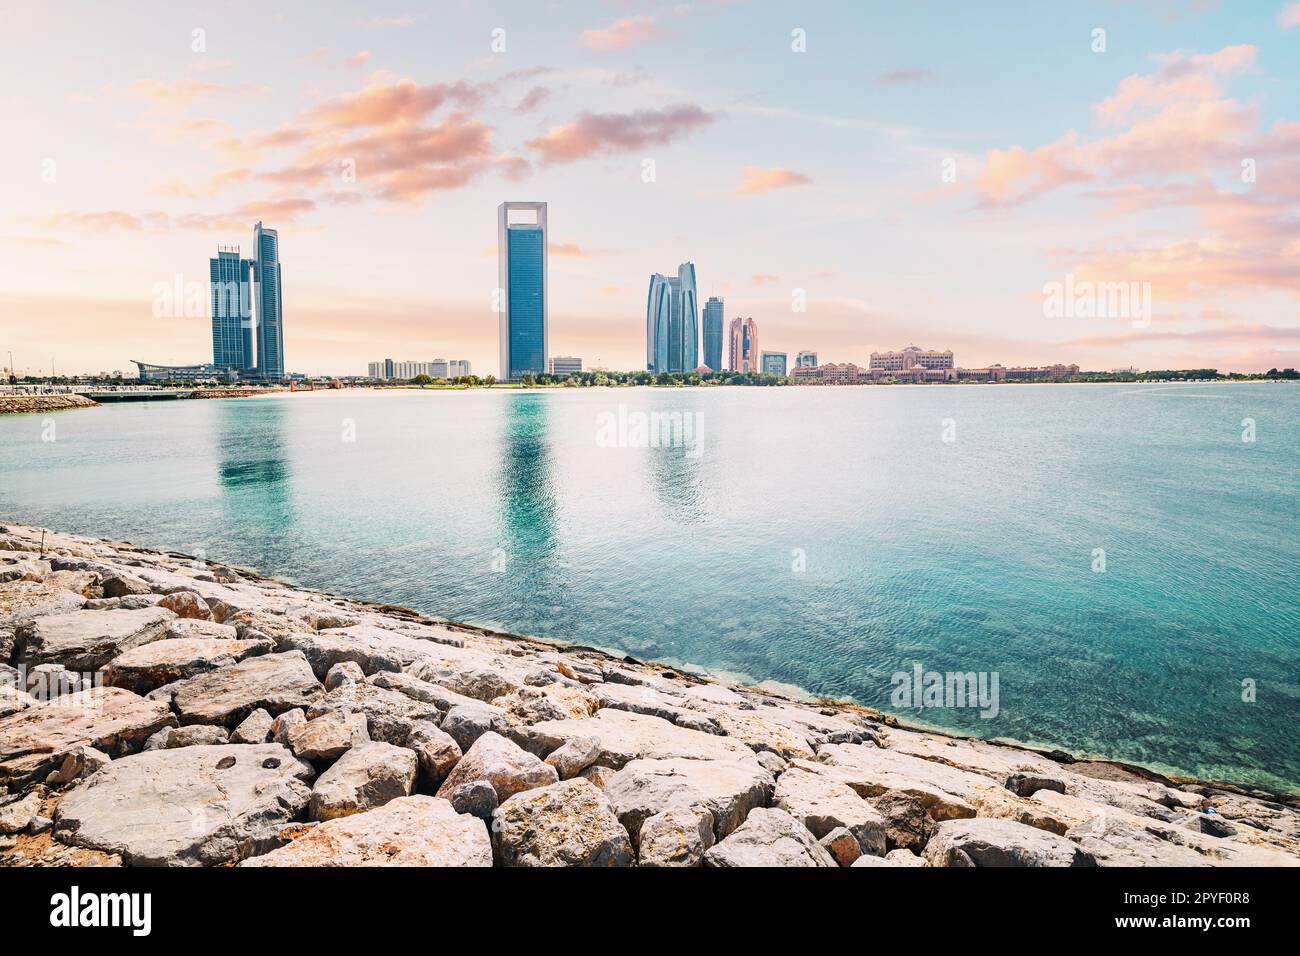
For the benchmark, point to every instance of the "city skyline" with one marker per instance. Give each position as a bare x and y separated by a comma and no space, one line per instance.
1169,157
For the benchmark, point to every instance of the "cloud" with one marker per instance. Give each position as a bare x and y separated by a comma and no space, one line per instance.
388,103
760,180
593,133
1289,16
173,186
905,77
358,58
533,99
622,34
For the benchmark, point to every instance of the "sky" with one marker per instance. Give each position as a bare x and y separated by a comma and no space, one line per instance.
855,176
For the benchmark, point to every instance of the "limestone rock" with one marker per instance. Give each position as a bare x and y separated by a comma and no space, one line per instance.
436,751
13,699
569,823
508,768
390,716
122,584
197,735
676,836
466,723
368,775
283,726
822,805
34,741
842,845
271,682
323,651
625,736
16,813
87,640
254,729
728,789
188,807
574,756
24,600
78,763
407,831
187,604
986,841
907,822
480,682
182,628
1027,784
769,838
344,672
164,662
329,736
476,798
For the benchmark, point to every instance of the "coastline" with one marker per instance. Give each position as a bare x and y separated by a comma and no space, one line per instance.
604,727
25,404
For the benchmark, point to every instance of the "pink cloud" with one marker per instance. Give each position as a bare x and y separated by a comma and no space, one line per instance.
759,180
1289,16
593,133
622,34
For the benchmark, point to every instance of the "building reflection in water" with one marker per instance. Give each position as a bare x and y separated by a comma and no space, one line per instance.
527,491
254,471
680,470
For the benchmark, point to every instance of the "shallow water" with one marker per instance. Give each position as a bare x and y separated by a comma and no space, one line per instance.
826,538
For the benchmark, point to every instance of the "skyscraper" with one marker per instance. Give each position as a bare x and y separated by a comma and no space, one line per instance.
232,310
713,320
774,363
744,345
672,323
270,308
521,256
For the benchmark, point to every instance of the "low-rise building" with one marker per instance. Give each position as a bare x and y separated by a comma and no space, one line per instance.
565,365
774,363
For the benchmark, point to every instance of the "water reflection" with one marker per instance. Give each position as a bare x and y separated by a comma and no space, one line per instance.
253,469
527,490
678,468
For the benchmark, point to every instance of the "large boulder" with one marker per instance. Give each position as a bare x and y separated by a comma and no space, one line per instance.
186,604
329,736
407,831
566,824
822,804
501,763
271,682
677,836
985,841
769,838
390,716
625,736
728,789
162,662
184,627
87,640
197,806
22,601
369,775
35,740
323,651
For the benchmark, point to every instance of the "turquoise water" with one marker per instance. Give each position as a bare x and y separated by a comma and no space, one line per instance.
508,509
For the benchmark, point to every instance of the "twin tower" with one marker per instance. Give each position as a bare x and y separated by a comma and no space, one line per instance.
672,333
247,311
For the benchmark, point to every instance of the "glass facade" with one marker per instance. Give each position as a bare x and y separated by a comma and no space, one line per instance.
713,322
522,262
232,311
672,324
270,311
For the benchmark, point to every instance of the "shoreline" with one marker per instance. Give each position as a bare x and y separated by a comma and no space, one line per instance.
171,662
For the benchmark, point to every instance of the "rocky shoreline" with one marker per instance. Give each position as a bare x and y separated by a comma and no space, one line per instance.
156,710
19,404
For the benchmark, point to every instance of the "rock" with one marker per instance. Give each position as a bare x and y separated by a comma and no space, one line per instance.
907,823
166,661
476,798
24,600
187,604
773,764
329,736
676,836
121,585
481,683
769,838
436,751
51,681
198,735
87,640
84,583
78,763
255,728
344,672
823,805
368,775
407,831
842,845
728,789
183,628
625,736
503,764
574,756
196,806
284,725
903,858
569,823
390,716
421,690
986,841
1215,826
17,813
271,682
13,700
1027,784
34,741
466,723
323,651
762,735
598,776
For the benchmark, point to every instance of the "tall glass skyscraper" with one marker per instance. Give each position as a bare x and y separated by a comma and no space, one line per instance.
270,308
521,259
713,321
232,310
744,345
672,324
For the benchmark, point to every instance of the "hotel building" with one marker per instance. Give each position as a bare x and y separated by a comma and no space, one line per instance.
521,264
672,335
744,345
774,363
